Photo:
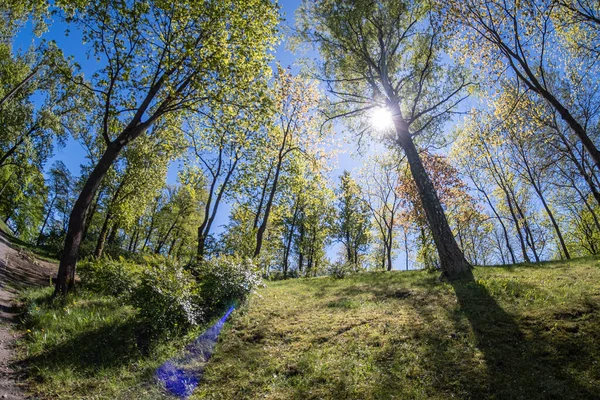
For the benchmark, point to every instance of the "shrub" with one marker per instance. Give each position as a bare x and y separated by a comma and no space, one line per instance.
225,280
167,298
108,276
339,269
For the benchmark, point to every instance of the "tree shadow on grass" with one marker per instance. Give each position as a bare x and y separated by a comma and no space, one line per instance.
110,346
519,365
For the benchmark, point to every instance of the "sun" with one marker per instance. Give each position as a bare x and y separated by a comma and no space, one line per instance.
381,119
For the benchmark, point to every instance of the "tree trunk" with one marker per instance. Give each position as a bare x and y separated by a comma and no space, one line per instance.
14,90
263,193
66,269
389,253
212,209
102,237
133,235
300,252
517,225
500,249
587,205
113,234
171,246
452,260
406,247
162,241
553,221
12,150
149,234
263,226
201,246
504,230
90,215
39,239
348,248
288,246
528,234
574,125
7,182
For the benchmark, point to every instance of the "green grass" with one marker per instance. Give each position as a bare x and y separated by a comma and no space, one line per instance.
88,347
530,332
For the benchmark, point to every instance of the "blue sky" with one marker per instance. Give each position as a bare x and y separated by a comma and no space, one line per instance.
73,154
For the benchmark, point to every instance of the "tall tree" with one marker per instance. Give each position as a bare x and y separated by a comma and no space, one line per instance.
521,38
59,199
389,53
294,132
380,181
221,141
160,60
353,222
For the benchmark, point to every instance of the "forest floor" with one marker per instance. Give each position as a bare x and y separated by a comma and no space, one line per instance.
19,269
514,332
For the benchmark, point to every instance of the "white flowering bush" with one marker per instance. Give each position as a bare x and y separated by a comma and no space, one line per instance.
167,298
226,280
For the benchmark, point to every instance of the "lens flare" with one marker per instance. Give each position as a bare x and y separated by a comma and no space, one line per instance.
381,119
181,376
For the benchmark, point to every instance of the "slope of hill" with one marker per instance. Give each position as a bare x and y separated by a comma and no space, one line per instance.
530,332
522,332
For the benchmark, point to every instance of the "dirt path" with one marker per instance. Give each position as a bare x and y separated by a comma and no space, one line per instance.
18,270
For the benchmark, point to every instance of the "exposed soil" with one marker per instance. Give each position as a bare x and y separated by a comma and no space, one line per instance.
18,270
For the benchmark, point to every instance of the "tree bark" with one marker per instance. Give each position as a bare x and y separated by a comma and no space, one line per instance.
102,237
90,215
288,246
172,246
14,90
210,211
573,124
263,226
452,260
263,193
300,252
113,234
553,221
504,230
406,247
528,234
39,239
66,269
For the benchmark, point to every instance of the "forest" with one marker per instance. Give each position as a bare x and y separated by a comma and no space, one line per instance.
166,164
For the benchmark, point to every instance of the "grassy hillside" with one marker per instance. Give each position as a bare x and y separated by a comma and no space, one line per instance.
530,332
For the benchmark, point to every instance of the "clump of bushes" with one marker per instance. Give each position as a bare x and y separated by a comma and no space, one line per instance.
108,276
339,269
167,297
170,298
225,280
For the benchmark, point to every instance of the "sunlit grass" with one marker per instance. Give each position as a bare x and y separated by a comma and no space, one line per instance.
530,332
522,332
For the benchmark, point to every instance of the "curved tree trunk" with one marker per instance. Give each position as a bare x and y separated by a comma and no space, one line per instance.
66,269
